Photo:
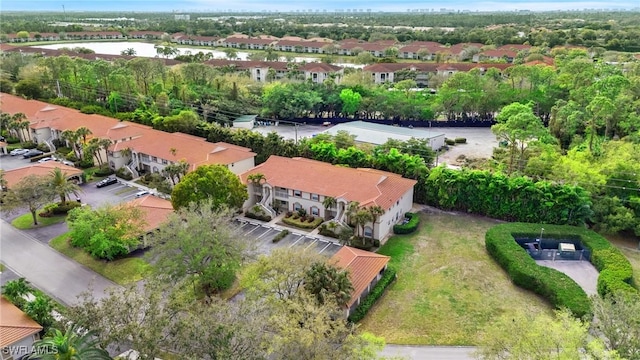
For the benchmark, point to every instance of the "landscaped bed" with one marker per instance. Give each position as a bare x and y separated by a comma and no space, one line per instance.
448,287
121,271
25,221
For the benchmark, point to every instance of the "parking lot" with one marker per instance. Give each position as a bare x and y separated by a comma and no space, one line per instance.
89,193
264,236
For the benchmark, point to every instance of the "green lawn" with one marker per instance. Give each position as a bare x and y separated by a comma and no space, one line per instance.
25,221
448,287
122,271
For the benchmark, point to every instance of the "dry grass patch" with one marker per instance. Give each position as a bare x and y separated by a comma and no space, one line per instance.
448,287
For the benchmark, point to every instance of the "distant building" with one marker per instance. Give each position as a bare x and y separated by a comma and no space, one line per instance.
182,17
378,134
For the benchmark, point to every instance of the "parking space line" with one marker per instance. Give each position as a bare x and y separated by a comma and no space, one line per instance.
324,248
252,230
299,238
264,233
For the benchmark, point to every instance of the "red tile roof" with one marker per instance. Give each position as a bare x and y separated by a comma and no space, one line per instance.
363,267
15,325
241,40
247,64
14,176
499,53
154,209
366,186
393,67
319,67
195,150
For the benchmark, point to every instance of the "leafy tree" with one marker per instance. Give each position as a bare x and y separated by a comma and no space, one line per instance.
360,219
350,101
517,125
128,52
39,309
618,323
323,280
15,290
214,182
279,275
231,53
32,192
106,232
200,244
529,336
74,344
29,88
61,186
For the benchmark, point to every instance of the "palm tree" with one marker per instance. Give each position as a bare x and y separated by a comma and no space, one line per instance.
376,211
256,179
361,218
329,202
14,291
72,137
352,209
83,132
5,120
62,186
20,123
74,344
102,144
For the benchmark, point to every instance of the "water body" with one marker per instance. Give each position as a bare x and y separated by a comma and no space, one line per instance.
148,50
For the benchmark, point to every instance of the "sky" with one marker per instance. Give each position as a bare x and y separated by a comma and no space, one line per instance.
288,5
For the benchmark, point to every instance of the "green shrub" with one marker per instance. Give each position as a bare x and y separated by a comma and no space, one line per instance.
13,140
409,227
449,142
103,171
63,151
36,158
43,147
71,156
29,145
281,235
261,217
361,311
64,209
363,243
460,140
559,289
303,224
86,163
123,173
95,109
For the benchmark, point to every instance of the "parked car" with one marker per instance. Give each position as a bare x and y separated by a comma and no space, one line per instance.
45,160
106,182
15,152
32,153
142,193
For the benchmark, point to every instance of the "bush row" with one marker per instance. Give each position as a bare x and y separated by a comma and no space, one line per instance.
281,235
261,217
410,226
59,209
559,289
508,198
303,224
371,298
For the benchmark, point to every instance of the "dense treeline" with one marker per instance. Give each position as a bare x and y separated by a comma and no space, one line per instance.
611,30
591,111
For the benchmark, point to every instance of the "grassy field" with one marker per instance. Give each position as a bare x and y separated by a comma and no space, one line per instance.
25,221
448,288
122,271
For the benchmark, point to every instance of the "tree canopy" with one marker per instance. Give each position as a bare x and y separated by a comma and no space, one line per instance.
215,183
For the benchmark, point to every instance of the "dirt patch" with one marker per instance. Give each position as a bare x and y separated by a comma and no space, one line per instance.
480,144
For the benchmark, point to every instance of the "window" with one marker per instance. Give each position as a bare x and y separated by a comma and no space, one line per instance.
297,193
315,211
296,206
315,197
368,231
164,162
154,159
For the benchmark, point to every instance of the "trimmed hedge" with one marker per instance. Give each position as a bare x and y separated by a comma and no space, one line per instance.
558,288
281,235
409,227
450,142
251,215
361,311
303,224
460,140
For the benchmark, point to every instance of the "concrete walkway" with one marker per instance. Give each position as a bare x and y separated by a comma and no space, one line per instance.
429,352
46,269
581,272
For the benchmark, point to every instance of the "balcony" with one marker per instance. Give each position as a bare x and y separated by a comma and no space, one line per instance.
283,194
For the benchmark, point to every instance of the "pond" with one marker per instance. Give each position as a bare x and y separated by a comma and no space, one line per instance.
149,50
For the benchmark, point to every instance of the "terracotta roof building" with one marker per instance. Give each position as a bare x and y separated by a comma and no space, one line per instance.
150,150
14,176
298,183
17,330
365,269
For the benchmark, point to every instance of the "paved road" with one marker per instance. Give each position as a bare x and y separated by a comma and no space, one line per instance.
429,352
46,269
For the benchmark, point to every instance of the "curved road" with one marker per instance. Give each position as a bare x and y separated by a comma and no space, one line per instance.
47,269
65,279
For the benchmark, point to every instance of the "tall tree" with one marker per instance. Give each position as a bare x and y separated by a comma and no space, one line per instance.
618,323
200,244
32,192
324,281
214,182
